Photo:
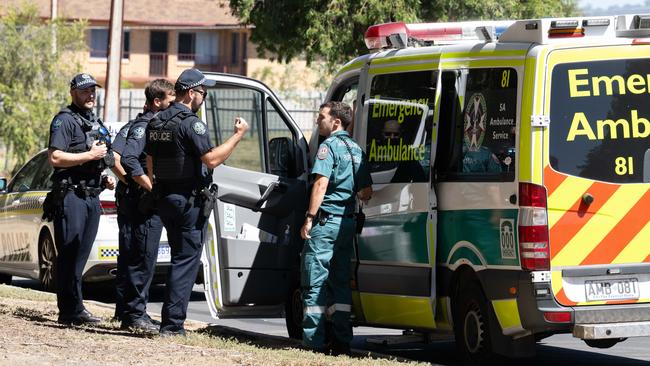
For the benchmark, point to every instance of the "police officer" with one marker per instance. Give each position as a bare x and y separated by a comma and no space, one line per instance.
140,225
182,157
341,172
78,152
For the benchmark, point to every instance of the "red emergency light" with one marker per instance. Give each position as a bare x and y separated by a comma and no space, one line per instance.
379,35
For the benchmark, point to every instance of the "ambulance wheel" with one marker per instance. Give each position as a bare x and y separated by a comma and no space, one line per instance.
603,343
293,313
5,279
47,262
471,327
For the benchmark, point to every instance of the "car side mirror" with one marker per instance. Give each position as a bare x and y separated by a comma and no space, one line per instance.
3,184
282,157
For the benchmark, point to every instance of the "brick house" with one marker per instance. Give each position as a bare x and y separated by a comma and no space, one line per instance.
161,38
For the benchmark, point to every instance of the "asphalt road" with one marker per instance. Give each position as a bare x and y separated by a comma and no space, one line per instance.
558,350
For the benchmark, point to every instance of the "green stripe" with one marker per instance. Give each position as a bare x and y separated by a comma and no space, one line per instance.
480,229
395,238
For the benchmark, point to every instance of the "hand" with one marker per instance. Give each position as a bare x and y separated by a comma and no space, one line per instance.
306,228
241,126
98,150
109,182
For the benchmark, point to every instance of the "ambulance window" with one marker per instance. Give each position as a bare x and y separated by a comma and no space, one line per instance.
400,119
482,146
281,142
600,120
223,104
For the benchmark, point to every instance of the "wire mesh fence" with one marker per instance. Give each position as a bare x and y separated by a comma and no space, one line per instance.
233,102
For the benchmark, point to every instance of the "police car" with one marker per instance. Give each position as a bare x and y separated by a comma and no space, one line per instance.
27,242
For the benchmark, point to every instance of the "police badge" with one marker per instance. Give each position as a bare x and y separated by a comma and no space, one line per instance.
138,133
199,128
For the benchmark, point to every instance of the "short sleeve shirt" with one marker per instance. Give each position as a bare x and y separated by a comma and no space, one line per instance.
66,134
120,139
134,160
333,160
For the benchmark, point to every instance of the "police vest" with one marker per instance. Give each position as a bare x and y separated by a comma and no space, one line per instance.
170,161
93,130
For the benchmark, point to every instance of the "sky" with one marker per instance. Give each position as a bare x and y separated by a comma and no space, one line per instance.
603,4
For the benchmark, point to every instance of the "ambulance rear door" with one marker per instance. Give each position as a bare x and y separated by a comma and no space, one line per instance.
252,248
597,174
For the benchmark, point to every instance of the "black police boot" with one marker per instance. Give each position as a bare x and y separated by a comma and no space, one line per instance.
339,348
84,317
140,325
172,332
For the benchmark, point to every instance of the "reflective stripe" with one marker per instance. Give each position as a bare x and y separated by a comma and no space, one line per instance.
339,307
314,309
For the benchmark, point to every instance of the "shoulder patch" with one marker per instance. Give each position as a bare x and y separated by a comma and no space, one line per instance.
138,132
56,124
124,132
323,152
199,128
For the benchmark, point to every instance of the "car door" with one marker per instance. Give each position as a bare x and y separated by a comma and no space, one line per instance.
22,217
253,244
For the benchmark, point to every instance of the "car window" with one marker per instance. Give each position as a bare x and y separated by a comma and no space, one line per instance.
42,181
281,160
226,102
28,174
400,119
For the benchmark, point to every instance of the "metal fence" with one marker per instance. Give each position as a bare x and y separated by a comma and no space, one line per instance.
303,108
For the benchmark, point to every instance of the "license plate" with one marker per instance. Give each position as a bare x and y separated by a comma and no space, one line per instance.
618,289
164,253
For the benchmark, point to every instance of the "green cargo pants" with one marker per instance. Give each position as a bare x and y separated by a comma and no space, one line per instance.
325,281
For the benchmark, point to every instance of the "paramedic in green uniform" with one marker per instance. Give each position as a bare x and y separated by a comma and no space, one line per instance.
328,231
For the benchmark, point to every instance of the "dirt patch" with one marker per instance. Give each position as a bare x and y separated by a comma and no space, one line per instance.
31,336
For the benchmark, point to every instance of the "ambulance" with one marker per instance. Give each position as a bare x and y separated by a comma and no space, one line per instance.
511,170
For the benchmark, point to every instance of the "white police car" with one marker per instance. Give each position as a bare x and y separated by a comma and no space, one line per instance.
27,242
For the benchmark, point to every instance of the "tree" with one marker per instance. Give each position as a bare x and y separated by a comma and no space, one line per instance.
37,60
333,30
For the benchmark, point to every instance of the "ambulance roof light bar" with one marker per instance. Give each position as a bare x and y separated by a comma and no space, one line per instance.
637,25
379,36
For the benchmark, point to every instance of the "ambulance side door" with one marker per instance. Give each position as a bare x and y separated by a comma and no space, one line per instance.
252,248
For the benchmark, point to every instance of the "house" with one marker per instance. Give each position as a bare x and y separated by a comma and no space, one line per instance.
161,39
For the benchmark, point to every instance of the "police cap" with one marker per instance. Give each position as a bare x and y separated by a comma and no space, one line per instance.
191,78
83,81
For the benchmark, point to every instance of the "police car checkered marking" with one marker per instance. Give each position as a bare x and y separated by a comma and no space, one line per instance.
138,133
199,128
108,252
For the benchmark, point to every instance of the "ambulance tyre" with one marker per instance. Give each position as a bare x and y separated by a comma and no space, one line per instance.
603,343
293,313
47,261
471,327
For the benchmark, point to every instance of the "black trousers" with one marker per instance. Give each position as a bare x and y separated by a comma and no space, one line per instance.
75,233
139,239
183,219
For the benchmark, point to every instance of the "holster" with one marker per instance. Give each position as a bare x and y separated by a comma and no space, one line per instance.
146,202
53,203
209,198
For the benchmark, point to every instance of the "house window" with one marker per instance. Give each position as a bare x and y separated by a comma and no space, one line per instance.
99,43
234,52
186,46
207,48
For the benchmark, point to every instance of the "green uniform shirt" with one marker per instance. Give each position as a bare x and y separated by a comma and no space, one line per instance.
333,161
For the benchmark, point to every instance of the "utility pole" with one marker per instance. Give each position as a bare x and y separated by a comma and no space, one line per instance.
112,96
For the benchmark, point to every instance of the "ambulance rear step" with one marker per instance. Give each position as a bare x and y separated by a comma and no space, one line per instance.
611,330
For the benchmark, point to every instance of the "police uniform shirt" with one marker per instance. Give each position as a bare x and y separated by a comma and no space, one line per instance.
333,161
193,137
66,134
120,139
134,159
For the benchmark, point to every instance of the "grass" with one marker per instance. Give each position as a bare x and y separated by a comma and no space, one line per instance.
25,294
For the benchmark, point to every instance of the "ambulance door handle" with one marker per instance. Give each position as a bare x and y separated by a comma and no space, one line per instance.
513,199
